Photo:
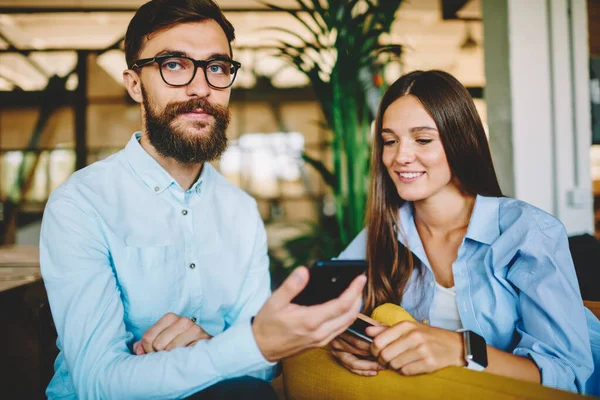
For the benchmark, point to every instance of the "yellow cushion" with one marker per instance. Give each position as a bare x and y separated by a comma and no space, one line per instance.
391,314
315,374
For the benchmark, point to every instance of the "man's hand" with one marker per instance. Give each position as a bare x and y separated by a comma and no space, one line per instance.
282,328
170,332
354,353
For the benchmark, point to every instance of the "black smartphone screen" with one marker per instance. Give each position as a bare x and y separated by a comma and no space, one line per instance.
328,279
358,329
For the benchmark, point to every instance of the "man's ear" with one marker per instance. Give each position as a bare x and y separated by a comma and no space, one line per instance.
133,84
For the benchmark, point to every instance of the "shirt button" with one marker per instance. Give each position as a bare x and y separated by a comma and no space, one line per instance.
431,283
193,319
192,266
426,321
184,212
156,189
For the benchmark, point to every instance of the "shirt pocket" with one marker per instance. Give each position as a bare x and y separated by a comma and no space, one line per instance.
153,280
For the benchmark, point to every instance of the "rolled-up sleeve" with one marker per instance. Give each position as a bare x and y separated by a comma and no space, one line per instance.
553,330
89,315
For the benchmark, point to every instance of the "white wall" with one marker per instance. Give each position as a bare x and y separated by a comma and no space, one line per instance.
537,93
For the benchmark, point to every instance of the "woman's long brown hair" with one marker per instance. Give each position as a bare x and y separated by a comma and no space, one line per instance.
450,105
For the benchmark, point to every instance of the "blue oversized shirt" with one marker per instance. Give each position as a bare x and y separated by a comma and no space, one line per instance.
123,244
515,285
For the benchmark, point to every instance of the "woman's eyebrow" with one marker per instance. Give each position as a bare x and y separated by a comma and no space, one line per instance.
422,128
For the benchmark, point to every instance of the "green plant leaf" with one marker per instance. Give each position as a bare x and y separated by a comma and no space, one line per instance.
309,28
327,176
313,45
346,95
316,13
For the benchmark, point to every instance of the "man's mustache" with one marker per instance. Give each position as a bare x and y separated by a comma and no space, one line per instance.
174,109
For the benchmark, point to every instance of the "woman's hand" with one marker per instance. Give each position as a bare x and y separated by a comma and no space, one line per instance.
412,348
355,353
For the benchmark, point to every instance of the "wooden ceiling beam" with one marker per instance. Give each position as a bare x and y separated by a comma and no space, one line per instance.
37,10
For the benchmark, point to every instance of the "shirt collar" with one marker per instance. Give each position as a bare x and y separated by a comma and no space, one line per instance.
483,225
151,172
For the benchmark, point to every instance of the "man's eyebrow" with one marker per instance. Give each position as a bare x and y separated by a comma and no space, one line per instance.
219,56
171,52
179,53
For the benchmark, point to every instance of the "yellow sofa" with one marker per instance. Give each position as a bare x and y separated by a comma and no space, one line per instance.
316,375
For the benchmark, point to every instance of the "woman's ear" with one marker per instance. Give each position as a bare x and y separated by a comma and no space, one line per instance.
133,84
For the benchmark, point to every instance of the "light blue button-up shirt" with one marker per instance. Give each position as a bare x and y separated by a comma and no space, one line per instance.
123,244
515,285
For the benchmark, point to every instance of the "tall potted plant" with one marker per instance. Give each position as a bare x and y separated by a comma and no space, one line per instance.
342,59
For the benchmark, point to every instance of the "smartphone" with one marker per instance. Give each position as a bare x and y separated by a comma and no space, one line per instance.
328,279
358,328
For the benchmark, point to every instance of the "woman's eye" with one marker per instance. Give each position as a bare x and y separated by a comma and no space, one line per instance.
424,141
390,142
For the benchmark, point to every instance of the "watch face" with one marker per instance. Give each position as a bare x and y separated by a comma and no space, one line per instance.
477,348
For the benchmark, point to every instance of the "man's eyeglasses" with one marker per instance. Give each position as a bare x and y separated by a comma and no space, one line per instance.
181,70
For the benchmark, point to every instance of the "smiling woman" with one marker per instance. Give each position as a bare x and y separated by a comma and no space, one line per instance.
444,243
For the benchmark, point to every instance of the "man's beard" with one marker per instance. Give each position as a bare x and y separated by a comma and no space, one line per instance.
187,147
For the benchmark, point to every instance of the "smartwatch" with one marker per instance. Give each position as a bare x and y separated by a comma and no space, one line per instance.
475,350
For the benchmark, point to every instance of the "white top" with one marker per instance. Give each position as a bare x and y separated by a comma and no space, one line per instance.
444,311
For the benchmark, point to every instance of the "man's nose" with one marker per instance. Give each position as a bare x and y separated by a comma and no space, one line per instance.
199,86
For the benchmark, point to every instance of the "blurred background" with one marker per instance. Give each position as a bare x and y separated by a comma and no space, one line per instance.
532,67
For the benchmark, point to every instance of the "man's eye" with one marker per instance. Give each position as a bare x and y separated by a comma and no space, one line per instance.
216,69
172,65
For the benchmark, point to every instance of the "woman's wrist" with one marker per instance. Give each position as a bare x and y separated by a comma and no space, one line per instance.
460,345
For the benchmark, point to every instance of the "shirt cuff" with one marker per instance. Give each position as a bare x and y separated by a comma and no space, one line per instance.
235,352
552,375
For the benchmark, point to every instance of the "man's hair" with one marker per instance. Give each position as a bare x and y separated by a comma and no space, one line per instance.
157,15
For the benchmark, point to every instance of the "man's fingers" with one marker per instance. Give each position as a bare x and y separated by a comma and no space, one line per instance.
290,288
344,303
152,333
138,349
170,333
332,328
187,338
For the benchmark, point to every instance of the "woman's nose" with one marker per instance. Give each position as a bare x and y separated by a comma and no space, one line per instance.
405,154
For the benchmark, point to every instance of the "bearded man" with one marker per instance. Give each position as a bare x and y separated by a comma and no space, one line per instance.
154,264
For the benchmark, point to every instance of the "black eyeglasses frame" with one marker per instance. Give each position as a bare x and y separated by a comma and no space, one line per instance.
143,62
